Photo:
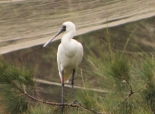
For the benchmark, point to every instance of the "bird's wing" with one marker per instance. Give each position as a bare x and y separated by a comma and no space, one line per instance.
62,61
81,48
58,57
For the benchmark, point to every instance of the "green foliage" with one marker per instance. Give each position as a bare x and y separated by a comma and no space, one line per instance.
125,108
11,74
124,76
148,68
150,98
87,98
14,104
148,71
13,81
40,109
119,67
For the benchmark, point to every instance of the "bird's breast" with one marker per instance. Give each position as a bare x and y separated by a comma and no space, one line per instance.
70,48
69,55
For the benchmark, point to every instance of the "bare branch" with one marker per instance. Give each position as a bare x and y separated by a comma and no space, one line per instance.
60,104
75,104
131,93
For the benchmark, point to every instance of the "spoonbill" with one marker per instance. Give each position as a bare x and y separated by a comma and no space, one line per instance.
69,55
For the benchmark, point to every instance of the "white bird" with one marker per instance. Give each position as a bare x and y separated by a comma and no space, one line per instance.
69,54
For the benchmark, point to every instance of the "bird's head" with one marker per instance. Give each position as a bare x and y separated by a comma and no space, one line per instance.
66,27
69,26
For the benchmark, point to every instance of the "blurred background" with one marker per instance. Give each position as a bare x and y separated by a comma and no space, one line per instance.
103,27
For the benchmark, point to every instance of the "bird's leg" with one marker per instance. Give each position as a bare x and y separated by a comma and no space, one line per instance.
62,97
72,83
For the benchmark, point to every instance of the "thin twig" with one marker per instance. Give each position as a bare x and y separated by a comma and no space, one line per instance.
131,93
129,39
140,88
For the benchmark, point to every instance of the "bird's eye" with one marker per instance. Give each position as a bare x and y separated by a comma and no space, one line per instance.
63,27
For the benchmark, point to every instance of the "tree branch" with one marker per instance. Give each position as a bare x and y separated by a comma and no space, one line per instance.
131,93
60,104
75,104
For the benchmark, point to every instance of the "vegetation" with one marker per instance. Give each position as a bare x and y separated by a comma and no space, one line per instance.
113,61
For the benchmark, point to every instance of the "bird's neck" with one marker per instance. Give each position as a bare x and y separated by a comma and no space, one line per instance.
66,38
69,47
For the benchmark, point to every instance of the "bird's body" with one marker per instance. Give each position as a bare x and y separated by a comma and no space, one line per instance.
69,55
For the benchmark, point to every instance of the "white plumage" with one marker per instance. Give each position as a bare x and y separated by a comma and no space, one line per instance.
70,53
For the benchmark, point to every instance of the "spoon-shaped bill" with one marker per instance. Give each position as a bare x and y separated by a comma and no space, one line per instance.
60,31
